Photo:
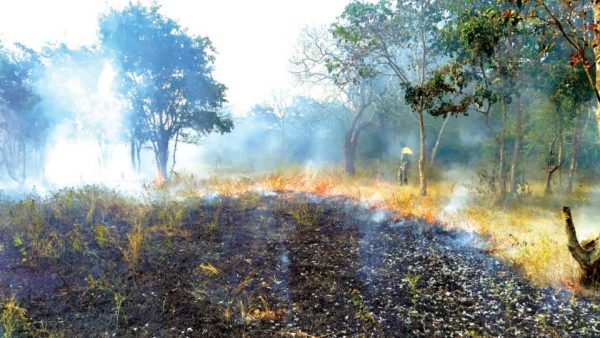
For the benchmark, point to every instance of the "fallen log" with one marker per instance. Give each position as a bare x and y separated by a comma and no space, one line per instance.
588,255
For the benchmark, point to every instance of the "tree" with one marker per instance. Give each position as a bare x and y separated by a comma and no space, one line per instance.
279,106
22,126
166,76
401,39
492,42
568,92
586,254
574,23
394,37
313,64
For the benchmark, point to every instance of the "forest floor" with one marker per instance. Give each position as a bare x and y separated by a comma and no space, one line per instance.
89,262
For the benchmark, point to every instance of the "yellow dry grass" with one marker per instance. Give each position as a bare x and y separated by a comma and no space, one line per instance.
526,231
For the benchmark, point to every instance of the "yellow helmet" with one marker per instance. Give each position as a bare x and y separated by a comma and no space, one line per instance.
407,150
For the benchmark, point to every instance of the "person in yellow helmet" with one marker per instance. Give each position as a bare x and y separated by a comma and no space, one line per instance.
405,159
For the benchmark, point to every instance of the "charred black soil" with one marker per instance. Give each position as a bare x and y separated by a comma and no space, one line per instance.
281,265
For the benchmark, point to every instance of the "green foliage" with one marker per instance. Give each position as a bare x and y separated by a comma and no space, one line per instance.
135,238
362,311
87,205
19,244
166,77
102,235
474,36
373,38
76,239
412,280
447,92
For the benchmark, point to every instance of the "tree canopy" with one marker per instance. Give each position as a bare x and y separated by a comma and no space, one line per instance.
166,77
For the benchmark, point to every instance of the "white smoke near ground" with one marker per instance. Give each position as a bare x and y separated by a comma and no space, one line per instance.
587,221
459,199
87,143
257,146
249,148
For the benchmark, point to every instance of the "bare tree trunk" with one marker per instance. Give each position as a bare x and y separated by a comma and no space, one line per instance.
502,152
350,151
132,153
588,255
514,165
349,158
437,141
549,172
548,189
351,140
174,153
561,155
422,156
161,153
575,151
138,150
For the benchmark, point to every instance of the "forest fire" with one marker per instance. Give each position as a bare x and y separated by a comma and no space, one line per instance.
265,265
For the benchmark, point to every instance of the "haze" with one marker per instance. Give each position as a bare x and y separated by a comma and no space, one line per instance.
254,39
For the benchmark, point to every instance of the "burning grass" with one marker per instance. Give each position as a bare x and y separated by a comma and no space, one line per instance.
253,261
526,231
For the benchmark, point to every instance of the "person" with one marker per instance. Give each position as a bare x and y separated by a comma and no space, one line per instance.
405,159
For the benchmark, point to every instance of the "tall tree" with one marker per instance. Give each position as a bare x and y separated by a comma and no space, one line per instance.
493,44
314,63
391,36
167,78
570,94
23,128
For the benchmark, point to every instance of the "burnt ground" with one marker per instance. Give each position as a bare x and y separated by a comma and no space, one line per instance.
283,266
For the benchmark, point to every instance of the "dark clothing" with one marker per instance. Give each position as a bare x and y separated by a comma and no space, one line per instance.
403,169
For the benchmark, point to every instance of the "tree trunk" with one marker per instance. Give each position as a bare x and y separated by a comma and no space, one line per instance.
351,140
162,158
502,153
549,172
548,189
514,165
437,142
422,156
575,151
173,160
588,255
561,155
349,159
138,151
350,152
132,153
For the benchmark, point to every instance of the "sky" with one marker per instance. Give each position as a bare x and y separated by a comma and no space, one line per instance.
254,39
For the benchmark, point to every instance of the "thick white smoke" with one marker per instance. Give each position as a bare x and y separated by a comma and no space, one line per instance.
86,143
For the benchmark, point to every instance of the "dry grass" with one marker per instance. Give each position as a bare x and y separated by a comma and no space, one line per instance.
13,319
132,252
527,231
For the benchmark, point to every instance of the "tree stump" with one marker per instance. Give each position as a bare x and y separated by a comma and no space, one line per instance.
587,255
